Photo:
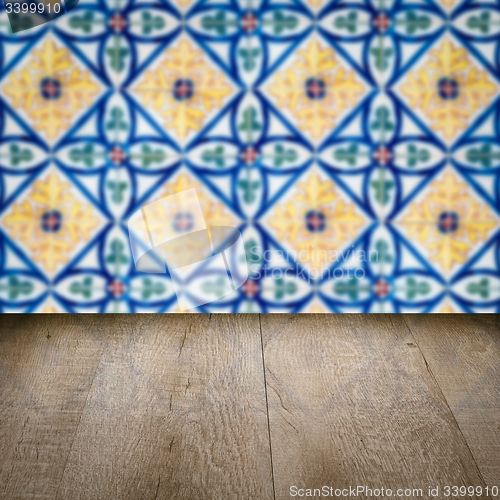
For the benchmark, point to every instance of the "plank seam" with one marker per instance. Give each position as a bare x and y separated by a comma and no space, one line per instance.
81,414
446,402
267,406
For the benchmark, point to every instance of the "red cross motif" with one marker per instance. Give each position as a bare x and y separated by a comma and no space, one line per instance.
382,22
382,288
250,288
117,288
315,221
183,222
117,155
315,89
249,155
52,221
448,89
382,155
183,90
50,89
249,22
447,223
117,22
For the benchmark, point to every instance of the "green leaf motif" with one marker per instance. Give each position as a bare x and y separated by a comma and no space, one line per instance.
217,23
249,56
117,122
148,155
117,255
282,288
83,22
118,188
216,156
117,57
84,288
382,189
250,123
382,122
251,255
282,22
413,288
414,22
85,155
249,188
482,288
481,23
349,155
383,255
217,287
149,288
415,155
281,155
381,57
18,155
348,23
349,288
484,156
16,287
150,23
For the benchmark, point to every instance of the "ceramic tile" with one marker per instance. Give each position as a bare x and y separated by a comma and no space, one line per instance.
355,145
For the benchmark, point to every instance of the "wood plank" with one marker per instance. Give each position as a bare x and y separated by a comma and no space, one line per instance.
351,402
463,354
177,411
47,364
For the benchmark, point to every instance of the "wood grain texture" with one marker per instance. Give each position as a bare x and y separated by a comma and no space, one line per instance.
357,406
463,354
174,406
177,411
47,365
